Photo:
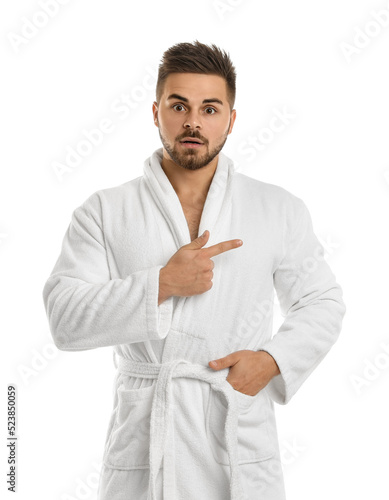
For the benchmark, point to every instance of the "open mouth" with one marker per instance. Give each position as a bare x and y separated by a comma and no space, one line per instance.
191,143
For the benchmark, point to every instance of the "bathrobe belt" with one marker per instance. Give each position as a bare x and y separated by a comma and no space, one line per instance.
160,422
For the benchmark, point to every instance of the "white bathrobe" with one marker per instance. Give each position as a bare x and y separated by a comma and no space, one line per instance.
178,430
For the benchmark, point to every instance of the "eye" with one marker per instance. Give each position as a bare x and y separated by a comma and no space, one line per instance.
175,105
208,107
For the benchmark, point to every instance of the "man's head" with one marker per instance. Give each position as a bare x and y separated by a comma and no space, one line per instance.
195,95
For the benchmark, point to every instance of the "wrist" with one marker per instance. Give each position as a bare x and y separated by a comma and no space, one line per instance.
164,291
273,366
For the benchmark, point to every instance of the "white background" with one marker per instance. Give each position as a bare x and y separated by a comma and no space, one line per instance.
333,154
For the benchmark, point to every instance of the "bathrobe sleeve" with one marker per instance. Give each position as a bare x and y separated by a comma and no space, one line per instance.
311,303
85,307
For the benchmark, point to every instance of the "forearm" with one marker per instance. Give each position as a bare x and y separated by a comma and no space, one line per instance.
85,316
164,289
303,340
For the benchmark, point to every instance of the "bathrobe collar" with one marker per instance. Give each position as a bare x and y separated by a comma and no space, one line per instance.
217,203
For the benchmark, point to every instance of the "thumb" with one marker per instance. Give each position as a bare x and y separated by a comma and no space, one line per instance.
218,364
199,242
226,362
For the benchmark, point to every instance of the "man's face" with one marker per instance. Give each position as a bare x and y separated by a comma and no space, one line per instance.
183,114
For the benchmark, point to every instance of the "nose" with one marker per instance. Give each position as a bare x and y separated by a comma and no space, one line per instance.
192,121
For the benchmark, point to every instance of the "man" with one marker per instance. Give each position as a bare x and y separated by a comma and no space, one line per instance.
155,268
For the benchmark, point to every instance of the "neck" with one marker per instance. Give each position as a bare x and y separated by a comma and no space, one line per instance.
189,184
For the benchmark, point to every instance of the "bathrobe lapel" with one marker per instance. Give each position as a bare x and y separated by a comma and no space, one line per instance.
217,204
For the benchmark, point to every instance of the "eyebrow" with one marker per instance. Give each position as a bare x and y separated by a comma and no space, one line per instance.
205,101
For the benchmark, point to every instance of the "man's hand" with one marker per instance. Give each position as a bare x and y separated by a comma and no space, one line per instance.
189,270
250,371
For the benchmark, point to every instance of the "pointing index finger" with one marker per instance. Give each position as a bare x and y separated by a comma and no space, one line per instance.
221,247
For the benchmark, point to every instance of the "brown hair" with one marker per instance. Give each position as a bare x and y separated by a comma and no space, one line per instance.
197,58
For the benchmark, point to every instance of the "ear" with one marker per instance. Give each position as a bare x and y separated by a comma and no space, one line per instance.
155,113
232,118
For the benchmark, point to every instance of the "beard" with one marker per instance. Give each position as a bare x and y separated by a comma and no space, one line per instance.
192,159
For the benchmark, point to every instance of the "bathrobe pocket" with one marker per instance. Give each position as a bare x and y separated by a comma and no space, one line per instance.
254,442
129,440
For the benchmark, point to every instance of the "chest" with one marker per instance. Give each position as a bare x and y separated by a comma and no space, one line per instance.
193,217
140,234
